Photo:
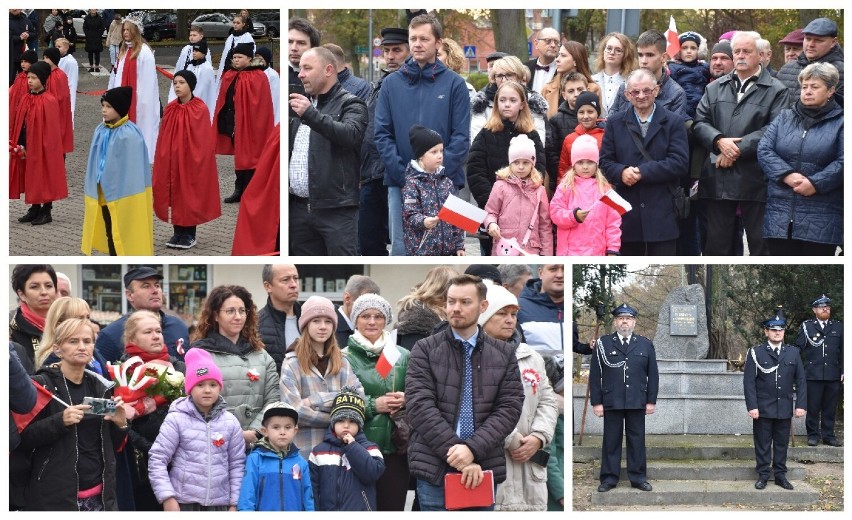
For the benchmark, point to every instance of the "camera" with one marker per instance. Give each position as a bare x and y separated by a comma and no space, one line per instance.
99,406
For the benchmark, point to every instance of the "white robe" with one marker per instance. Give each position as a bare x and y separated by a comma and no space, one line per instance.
147,92
185,53
71,69
275,90
205,88
229,43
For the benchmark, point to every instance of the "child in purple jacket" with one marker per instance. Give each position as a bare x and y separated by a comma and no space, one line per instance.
202,442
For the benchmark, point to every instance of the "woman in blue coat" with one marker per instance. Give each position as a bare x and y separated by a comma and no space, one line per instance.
801,154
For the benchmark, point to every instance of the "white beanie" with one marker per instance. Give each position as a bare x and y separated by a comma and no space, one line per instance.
521,147
498,297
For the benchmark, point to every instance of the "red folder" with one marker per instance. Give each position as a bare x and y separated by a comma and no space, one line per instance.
457,497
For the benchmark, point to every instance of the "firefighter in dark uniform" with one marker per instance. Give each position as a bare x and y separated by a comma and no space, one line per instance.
623,385
821,343
773,374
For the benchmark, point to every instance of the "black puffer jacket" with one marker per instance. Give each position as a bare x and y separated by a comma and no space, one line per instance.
789,73
53,482
490,152
433,388
337,126
271,324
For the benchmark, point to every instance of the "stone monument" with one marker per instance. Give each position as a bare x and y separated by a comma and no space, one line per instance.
682,325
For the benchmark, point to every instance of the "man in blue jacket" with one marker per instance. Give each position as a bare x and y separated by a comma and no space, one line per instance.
644,155
541,313
427,93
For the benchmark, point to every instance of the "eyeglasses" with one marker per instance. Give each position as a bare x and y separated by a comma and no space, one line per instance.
372,317
232,312
614,50
644,92
507,75
548,41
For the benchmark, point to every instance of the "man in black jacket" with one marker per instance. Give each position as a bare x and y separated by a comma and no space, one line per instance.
278,321
464,395
821,342
819,46
324,169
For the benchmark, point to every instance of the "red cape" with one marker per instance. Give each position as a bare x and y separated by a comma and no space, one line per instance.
185,176
258,223
41,176
17,91
254,119
57,84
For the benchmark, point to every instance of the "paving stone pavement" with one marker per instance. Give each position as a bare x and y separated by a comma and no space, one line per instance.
62,236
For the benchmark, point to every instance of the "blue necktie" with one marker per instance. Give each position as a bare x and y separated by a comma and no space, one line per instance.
466,413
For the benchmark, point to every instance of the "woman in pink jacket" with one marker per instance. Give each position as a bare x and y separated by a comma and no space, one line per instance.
517,206
595,230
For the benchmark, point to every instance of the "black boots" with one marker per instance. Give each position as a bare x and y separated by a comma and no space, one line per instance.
31,214
240,184
38,214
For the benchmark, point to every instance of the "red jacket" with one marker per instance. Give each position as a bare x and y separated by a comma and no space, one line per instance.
565,156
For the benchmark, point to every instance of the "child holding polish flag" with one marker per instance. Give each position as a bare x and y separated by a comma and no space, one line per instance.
595,230
426,189
198,460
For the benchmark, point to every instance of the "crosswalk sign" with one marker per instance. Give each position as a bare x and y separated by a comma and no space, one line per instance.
470,51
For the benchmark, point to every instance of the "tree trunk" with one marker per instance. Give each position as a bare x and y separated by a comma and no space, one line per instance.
806,15
510,32
182,32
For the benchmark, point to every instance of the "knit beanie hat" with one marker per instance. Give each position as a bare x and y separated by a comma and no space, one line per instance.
585,147
189,76
521,147
200,367
727,36
52,53
588,98
29,57
724,47
119,98
200,46
317,307
422,140
690,36
348,405
41,70
498,297
267,55
246,49
371,301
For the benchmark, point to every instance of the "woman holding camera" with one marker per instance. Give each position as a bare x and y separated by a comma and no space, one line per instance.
73,458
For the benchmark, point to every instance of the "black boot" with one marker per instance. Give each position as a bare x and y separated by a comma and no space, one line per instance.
44,216
239,186
31,214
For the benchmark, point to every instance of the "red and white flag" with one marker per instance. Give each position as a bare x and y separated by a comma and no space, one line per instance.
673,45
43,396
390,355
616,202
462,214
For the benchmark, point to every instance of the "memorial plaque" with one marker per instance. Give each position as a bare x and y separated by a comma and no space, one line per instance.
684,320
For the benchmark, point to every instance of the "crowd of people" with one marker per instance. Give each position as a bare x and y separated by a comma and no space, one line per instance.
298,405
648,152
147,157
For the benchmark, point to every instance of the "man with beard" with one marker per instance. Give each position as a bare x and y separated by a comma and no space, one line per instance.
721,60
623,385
454,427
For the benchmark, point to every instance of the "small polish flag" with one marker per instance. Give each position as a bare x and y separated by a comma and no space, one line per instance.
616,202
390,355
462,214
673,45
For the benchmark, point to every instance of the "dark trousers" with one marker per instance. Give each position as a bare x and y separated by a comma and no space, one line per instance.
373,237
665,248
822,401
185,230
108,226
95,57
616,422
392,486
322,232
722,220
771,437
793,247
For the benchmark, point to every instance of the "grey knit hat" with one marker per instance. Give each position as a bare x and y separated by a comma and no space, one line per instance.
371,301
348,404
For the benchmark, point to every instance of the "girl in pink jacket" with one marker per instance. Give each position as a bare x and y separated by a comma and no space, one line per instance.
517,206
595,230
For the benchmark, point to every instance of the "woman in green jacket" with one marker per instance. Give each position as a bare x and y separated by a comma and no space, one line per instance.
380,366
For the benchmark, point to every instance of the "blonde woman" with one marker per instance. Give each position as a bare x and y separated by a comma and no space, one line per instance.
60,310
453,57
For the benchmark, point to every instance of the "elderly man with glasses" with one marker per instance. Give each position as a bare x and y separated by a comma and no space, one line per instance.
821,341
543,68
644,155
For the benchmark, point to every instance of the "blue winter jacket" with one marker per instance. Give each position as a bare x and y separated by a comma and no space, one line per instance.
816,153
541,319
273,482
693,78
110,342
344,476
434,97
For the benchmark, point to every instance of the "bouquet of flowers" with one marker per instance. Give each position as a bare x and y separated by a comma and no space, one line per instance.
136,380
169,382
